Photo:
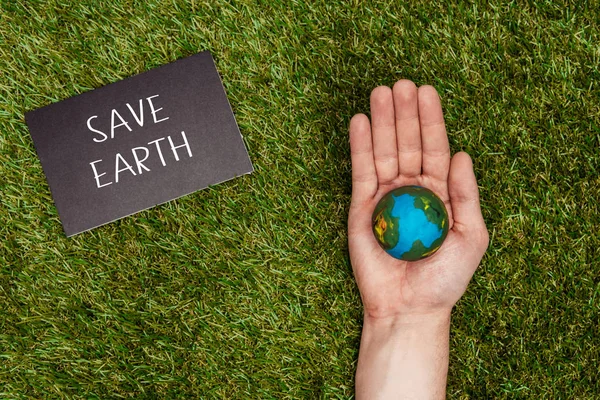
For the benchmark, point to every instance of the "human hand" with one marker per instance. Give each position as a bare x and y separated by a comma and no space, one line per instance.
406,144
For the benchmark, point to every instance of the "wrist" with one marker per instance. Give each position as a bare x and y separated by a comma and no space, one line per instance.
404,354
408,321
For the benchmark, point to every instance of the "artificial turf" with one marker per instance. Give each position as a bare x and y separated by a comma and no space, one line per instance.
245,290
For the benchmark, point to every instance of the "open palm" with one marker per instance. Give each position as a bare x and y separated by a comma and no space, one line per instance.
405,143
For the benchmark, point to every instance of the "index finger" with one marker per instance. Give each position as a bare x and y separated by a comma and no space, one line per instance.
434,140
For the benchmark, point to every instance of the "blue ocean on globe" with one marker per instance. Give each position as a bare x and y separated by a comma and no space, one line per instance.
415,225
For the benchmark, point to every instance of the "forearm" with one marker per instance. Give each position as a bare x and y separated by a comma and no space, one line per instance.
404,358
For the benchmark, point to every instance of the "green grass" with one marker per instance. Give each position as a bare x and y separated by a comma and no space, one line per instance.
245,290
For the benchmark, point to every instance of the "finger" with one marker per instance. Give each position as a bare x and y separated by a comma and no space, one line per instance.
436,151
364,177
408,131
383,125
464,197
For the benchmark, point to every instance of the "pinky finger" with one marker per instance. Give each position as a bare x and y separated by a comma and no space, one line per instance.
364,176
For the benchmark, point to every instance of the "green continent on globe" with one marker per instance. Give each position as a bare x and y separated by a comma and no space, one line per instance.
410,222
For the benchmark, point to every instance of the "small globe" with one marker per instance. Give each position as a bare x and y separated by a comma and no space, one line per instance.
410,223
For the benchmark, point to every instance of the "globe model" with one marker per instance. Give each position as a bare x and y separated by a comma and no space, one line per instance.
410,223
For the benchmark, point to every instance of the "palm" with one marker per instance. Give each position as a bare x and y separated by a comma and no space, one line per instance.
406,144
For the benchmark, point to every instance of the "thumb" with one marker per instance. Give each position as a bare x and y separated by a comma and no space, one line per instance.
464,197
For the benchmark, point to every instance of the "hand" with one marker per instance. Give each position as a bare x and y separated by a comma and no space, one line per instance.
406,144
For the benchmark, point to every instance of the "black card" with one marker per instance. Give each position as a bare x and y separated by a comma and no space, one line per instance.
133,144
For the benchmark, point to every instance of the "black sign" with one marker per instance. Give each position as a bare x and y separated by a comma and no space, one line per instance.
137,143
